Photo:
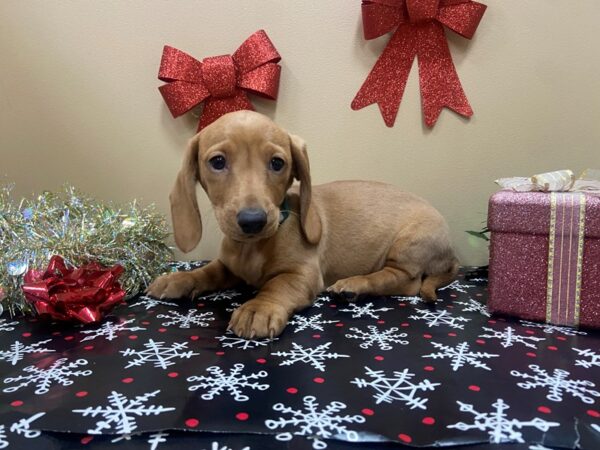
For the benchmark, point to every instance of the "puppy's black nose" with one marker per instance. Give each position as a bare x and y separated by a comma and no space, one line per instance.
252,220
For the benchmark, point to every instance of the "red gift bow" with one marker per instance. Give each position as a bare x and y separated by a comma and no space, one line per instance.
420,32
81,294
220,81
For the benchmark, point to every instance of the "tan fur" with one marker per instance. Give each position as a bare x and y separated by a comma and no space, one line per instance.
351,237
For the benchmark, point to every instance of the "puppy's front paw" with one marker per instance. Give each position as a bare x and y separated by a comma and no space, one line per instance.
258,319
173,285
347,289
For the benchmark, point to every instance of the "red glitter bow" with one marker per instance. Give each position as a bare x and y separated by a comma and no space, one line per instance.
82,294
220,81
419,32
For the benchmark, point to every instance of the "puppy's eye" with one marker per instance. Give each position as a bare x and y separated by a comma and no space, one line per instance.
217,162
276,164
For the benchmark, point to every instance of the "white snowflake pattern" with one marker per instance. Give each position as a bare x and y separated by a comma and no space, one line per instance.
233,382
7,326
216,446
20,427
396,387
322,300
474,306
157,438
233,306
219,296
508,337
375,336
551,329
460,355
193,317
500,428
588,353
59,372
413,300
109,330
18,350
557,383
315,423
436,318
158,353
365,310
148,302
457,286
315,322
229,339
119,416
315,356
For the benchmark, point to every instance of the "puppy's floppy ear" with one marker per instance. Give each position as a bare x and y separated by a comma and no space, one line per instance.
310,220
187,224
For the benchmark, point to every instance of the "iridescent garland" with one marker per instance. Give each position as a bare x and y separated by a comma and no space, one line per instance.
81,230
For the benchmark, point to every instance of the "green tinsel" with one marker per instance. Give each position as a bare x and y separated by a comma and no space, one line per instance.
81,230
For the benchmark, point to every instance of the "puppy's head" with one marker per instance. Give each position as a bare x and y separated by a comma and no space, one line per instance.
245,163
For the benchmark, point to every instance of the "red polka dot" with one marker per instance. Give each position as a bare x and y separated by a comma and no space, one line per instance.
427,336
561,338
453,295
162,330
133,337
69,338
27,334
552,347
219,353
131,314
319,380
173,374
479,294
593,413
56,333
402,305
381,321
449,306
428,420
81,394
451,334
291,390
19,403
480,341
333,306
86,439
192,423
127,380
316,336
200,305
474,388
340,324
194,338
261,360
405,438
429,368
544,409
491,321
405,324
531,354
145,322
529,331
88,347
367,412
242,416
379,358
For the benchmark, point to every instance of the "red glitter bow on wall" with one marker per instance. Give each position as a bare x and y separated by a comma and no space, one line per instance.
82,294
220,81
420,32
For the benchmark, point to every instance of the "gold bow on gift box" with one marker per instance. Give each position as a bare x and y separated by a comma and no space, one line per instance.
557,181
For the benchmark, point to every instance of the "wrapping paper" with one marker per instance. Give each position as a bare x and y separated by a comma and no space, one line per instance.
541,275
385,372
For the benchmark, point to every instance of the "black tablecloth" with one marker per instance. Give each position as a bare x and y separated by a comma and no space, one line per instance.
380,373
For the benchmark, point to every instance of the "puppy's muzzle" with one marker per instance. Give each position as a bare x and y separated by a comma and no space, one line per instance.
252,220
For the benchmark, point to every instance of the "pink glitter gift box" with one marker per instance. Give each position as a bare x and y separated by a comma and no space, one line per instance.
545,257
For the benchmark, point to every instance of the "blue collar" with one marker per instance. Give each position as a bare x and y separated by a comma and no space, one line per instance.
284,210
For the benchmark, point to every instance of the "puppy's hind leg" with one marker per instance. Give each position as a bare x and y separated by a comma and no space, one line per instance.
433,281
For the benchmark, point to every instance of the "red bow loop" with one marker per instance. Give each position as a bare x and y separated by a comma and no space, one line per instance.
220,81
419,33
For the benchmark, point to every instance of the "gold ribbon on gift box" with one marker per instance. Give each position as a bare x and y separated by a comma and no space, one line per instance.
566,236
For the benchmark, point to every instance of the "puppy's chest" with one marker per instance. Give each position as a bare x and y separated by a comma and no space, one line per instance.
247,264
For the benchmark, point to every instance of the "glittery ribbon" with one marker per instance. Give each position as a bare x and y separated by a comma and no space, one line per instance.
565,258
81,294
221,82
557,181
419,32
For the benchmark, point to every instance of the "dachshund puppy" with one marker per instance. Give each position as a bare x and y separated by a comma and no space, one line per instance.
351,237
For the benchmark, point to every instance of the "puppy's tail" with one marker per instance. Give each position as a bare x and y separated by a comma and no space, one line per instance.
435,280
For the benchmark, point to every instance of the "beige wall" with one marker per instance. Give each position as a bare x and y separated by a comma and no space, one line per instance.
79,99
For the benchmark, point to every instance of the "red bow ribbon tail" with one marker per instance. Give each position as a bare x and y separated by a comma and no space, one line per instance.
386,82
